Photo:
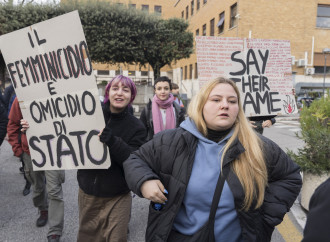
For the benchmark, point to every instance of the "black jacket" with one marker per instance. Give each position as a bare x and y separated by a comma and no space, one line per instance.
128,135
170,156
318,219
3,122
258,120
146,118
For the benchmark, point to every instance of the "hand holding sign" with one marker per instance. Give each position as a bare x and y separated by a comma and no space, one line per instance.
25,125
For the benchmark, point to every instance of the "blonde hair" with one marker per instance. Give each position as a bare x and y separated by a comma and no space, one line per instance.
250,168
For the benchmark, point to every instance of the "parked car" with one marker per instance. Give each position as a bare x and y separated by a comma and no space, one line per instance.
301,101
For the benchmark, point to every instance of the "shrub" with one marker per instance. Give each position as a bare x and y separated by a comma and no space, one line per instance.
314,157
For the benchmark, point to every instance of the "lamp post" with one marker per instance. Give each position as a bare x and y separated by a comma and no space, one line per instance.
325,51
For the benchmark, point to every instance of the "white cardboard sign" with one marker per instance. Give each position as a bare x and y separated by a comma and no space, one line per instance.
261,69
52,73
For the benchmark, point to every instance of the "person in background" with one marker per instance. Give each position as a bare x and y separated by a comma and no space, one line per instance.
43,182
8,99
318,217
261,183
176,93
104,197
3,122
162,112
261,122
9,96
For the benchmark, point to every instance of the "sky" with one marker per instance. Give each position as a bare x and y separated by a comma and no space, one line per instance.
36,1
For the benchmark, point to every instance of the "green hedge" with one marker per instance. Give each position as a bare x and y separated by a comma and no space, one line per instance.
314,157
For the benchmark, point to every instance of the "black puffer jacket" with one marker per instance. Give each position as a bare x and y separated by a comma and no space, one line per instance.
146,118
318,219
170,156
128,135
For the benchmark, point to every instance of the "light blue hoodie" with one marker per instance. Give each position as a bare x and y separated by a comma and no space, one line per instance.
195,210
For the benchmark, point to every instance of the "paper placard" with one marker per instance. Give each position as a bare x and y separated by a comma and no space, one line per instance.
261,69
52,73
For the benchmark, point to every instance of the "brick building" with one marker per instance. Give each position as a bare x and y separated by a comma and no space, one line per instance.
305,23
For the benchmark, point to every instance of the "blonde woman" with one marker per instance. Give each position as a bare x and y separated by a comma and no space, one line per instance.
261,185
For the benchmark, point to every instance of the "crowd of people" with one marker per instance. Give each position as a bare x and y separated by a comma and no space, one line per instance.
170,158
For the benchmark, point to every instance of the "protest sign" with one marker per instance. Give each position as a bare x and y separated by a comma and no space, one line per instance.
261,69
52,73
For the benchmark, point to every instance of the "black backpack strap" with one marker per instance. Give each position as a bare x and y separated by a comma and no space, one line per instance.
216,198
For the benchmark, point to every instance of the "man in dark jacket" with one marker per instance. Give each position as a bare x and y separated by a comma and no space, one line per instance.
45,183
318,218
9,97
3,122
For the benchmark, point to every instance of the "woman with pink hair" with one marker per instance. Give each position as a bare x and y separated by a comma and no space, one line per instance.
104,197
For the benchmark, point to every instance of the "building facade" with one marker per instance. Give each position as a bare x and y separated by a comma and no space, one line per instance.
305,23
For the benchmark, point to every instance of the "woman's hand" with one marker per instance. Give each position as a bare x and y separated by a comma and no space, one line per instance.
25,125
267,123
99,134
252,124
153,190
106,136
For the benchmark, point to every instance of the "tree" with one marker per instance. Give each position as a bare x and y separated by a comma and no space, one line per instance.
170,41
114,34
11,2
14,17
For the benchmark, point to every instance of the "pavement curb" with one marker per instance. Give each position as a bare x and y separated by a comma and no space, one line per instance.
294,117
299,214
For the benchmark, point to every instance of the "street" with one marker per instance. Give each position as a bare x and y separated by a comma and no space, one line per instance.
18,215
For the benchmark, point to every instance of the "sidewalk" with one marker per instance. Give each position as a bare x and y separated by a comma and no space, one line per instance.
288,117
299,213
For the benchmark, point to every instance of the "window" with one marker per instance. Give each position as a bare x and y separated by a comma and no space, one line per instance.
182,14
197,32
323,16
196,72
192,8
131,73
185,72
198,4
158,10
117,72
319,62
204,1
221,22
144,73
132,6
204,30
320,70
145,8
233,13
190,71
212,27
187,12
103,72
